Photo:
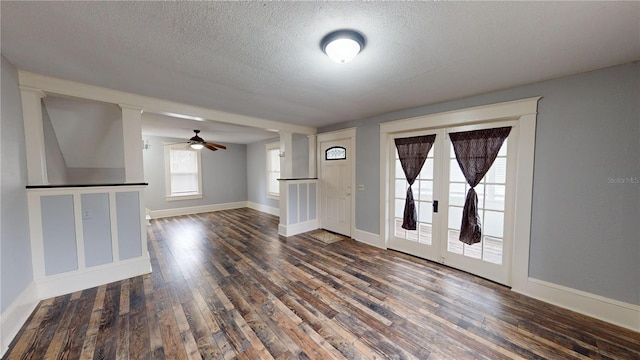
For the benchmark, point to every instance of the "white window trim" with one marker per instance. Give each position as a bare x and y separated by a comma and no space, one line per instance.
167,173
271,146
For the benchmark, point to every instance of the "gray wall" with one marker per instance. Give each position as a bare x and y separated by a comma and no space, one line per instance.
300,156
257,168
56,166
224,175
87,175
586,197
15,249
257,174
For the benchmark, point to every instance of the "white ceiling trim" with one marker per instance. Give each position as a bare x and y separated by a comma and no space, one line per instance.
55,86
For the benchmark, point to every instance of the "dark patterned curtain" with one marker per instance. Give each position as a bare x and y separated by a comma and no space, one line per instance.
412,152
475,151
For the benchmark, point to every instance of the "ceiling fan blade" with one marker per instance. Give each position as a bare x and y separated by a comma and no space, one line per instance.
176,143
217,145
208,146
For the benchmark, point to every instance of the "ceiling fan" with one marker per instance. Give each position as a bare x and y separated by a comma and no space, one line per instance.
198,143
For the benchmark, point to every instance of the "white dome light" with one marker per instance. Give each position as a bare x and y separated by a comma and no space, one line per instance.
342,46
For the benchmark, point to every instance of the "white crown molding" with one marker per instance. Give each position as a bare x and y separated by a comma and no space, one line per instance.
51,85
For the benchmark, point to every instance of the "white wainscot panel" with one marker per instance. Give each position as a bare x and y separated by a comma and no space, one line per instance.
298,206
83,237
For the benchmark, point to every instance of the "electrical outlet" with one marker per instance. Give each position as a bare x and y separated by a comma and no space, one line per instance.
86,214
361,187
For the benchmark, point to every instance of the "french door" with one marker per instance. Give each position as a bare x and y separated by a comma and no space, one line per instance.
440,191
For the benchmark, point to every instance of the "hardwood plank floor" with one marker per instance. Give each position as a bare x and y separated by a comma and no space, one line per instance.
225,286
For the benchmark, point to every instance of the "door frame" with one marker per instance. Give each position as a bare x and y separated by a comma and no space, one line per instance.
343,134
524,112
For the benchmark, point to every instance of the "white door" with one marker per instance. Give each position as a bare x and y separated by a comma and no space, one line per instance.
335,183
419,242
441,181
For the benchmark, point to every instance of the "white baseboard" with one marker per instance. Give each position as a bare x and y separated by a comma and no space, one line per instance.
14,317
368,238
609,310
66,283
299,228
264,208
155,214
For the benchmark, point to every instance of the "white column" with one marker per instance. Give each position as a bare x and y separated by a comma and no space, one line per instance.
313,157
132,133
34,135
286,154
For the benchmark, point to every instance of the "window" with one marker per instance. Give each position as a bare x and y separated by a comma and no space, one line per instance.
273,169
183,172
335,153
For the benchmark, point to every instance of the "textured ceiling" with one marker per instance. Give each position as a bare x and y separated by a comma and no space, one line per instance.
263,59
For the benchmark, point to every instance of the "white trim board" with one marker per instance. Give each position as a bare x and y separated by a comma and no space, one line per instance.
368,238
65,283
51,85
155,214
263,208
602,308
16,315
299,228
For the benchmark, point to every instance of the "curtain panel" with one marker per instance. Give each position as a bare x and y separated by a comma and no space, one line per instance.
412,152
475,152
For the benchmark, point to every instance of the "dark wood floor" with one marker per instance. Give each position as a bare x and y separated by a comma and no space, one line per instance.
225,286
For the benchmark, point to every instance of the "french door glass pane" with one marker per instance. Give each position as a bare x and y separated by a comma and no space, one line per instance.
491,193
427,169
493,223
473,251
401,188
492,249
426,190
426,233
423,196
399,171
425,212
398,230
399,209
494,197
455,217
497,174
455,174
457,194
453,243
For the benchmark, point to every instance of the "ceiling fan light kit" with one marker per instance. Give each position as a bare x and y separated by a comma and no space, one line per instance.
197,143
342,46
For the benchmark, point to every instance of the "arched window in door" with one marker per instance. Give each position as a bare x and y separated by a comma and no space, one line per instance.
335,153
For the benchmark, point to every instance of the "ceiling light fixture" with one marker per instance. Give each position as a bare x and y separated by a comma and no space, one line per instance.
342,46
196,142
